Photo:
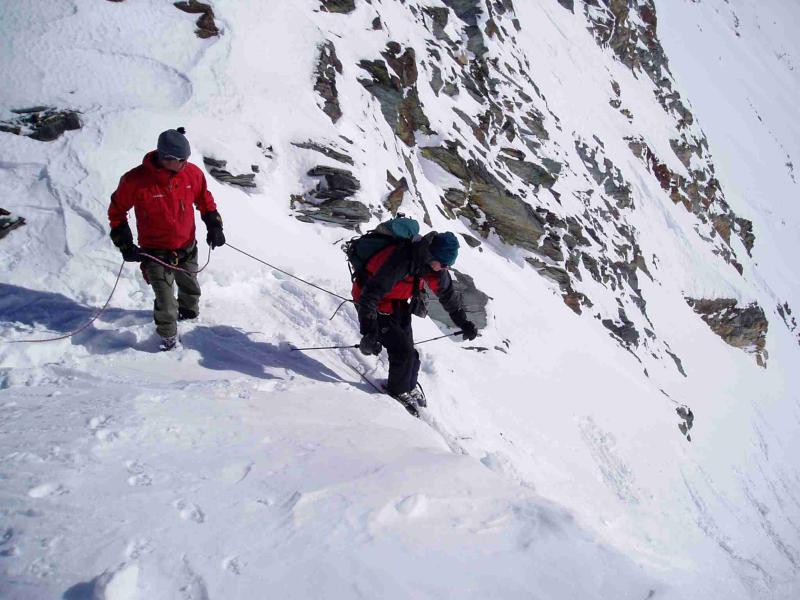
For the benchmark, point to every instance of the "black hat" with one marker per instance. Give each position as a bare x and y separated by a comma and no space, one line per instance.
444,248
173,143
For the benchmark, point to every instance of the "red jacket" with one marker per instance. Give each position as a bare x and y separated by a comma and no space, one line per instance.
162,202
402,289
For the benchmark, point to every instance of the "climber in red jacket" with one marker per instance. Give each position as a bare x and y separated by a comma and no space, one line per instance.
163,192
388,293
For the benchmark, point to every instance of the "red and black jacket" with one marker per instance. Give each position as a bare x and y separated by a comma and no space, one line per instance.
389,283
163,203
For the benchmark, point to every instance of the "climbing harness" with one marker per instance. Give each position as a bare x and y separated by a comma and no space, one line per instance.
175,267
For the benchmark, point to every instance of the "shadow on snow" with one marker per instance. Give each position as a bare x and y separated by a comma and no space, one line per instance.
224,348
221,348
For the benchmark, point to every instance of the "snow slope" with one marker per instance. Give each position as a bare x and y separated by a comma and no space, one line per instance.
548,464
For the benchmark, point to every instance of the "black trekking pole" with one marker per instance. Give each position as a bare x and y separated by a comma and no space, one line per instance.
325,348
441,337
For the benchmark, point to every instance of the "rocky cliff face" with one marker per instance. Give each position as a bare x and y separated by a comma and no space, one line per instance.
487,125
744,328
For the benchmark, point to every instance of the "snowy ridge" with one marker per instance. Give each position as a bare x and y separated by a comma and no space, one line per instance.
550,462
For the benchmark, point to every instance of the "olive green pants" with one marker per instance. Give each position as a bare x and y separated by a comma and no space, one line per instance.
163,280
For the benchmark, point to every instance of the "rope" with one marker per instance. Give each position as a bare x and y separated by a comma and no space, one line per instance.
114,289
263,262
85,325
175,267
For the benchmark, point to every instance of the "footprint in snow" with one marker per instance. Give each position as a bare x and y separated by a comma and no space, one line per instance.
6,548
189,511
236,472
47,489
413,505
138,548
140,480
105,435
138,476
98,426
98,422
232,564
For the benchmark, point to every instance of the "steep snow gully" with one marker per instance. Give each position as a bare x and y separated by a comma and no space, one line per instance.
621,178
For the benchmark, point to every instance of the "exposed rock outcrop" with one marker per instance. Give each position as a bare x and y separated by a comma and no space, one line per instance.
485,201
325,150
475,302
329,200
42,123
216,168
338,6
568,4
395,197
687,416
328,65
623,328
396,91
744,328
8,222
790,321
206,26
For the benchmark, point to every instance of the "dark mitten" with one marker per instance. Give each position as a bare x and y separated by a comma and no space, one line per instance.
121,235
370,345
215,238
469,331
368,324
213,221
130,253
466,326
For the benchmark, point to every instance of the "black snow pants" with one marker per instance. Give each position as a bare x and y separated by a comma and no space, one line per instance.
394,332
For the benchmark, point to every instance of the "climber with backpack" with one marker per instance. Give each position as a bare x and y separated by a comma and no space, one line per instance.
389,267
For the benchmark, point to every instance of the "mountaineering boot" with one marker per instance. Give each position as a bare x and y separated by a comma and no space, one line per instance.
168,343
408,403
185,314
418,397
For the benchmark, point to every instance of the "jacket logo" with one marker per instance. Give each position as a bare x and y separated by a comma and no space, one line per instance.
158,195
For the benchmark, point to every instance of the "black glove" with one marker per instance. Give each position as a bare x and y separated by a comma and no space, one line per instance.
467,327
469,331
215,237
368,323
130,253
213,221
121,235
123,239
370,345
